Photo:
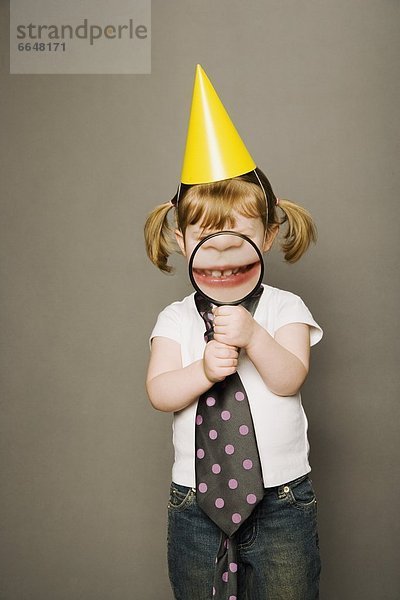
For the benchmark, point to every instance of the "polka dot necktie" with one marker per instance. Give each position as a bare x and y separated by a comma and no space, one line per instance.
229,479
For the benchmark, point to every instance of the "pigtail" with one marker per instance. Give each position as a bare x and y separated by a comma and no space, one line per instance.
159,236
301,230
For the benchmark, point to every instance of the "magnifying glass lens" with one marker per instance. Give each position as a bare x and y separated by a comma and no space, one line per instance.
226,267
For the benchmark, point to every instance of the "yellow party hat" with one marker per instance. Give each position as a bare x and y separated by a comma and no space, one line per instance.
214,149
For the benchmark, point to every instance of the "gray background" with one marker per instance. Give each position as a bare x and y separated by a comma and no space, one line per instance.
313,88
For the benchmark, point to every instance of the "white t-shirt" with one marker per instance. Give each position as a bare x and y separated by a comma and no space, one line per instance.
279,421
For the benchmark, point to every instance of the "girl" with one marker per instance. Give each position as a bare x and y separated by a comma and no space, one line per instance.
277,545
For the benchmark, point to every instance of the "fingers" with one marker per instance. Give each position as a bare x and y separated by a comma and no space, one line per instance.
219,329
226,355
216,369
220,320
228,371
221,345
227,310
221,333
227,367
227,359
221,359
221,323
227,362
220,311
220,337
226,352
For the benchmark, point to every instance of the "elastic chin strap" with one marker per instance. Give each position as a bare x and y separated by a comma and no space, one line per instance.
181,187
175,199
261,186
265,195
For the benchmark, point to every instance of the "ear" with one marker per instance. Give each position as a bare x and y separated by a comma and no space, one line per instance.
269,239
180,240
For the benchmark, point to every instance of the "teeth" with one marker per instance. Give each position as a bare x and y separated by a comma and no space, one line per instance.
226,273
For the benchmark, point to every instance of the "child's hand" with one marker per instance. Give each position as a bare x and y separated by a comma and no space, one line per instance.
233,325
219,361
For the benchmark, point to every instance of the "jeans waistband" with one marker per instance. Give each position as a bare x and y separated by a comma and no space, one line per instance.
280,489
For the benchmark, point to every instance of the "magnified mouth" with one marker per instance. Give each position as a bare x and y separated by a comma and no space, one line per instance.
227,275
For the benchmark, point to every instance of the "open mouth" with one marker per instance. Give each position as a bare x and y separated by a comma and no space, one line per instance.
227,275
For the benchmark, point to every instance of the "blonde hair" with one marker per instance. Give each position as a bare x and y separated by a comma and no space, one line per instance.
212,204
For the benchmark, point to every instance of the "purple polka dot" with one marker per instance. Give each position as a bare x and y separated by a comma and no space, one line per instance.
239,396
232,597
210,401
236,517
225,576
219,503
243,429
199,420
229,449
200,453
247,464
216,468
202,487
225,415
213,434
251,498
233,484
210,316
233,567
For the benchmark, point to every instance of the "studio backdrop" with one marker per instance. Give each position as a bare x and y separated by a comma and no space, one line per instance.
86,462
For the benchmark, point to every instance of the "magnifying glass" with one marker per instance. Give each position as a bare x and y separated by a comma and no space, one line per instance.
226,267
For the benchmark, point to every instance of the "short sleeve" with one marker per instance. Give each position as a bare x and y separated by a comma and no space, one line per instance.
293,310
168,324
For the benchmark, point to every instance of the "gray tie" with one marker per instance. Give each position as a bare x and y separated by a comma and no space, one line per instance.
229,478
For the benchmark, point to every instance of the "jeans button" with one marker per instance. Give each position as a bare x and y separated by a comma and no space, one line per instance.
286,489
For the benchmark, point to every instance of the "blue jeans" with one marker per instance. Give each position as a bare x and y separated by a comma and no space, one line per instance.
278,551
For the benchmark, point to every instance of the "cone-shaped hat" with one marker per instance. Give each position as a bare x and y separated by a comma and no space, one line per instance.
214,149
